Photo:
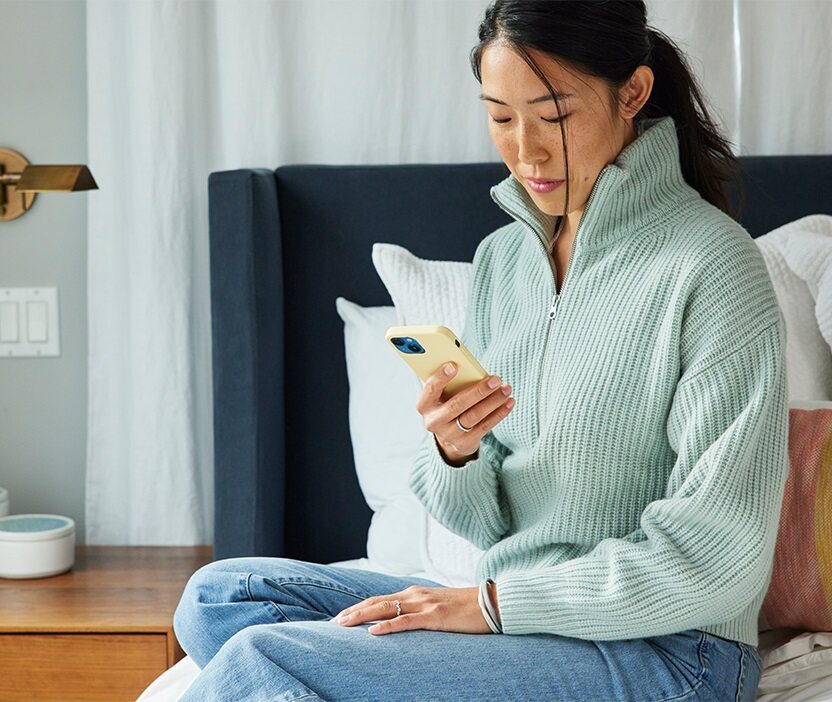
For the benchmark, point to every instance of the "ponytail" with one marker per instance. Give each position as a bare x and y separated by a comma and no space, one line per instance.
707,162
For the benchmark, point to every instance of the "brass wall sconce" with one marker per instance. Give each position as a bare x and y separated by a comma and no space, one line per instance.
19,182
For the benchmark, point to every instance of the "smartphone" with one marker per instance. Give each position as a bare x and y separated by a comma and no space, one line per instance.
426,348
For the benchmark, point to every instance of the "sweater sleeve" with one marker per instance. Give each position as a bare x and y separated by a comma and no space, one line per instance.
703,553
467,499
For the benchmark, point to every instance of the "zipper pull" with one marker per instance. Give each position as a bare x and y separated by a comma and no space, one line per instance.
554,306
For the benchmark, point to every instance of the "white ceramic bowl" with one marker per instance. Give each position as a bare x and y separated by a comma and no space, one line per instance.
36,545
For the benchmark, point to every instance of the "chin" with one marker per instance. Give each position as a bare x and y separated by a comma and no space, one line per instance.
544,204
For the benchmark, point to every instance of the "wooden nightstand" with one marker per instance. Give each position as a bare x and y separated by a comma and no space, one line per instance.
102,631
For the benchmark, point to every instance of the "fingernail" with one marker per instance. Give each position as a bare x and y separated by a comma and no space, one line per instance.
493,382
506,391
449,368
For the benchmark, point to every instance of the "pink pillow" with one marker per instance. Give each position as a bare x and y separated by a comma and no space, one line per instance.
800,593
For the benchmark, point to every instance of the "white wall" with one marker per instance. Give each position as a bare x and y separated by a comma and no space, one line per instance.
43,402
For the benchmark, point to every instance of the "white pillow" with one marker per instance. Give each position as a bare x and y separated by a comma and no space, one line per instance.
432,292
385,430
424,291
796,663
808,356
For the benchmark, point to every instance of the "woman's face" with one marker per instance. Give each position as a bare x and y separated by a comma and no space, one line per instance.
527,134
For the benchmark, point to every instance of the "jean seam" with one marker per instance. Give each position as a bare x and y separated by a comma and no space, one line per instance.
322,584
703,659
282,583
738,696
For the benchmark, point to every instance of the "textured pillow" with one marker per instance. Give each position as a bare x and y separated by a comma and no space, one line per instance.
800,592
385,430
431,292
798,256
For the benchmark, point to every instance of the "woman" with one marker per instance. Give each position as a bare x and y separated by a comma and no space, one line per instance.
628,507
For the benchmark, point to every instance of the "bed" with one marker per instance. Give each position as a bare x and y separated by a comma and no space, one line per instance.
285,243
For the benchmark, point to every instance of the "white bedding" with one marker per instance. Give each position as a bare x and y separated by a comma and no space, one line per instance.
796,667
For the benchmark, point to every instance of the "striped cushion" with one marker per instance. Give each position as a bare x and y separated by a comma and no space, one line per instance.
800,593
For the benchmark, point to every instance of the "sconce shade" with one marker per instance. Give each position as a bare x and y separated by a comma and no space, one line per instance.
66,178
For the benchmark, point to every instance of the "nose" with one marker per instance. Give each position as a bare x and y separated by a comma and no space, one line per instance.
531,146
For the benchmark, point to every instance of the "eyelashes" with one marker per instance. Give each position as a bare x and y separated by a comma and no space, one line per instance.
551,121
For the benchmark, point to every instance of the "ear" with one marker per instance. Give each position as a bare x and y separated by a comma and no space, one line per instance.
636,91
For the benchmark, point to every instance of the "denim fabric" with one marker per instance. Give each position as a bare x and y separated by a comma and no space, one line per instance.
261,629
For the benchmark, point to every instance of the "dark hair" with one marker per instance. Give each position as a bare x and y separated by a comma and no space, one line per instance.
608,39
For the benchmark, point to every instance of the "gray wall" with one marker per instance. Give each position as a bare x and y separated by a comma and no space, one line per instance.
43,115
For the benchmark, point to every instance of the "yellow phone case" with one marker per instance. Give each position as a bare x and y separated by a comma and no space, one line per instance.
434,346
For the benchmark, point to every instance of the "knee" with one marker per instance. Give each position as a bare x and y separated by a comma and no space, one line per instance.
201,622
207,585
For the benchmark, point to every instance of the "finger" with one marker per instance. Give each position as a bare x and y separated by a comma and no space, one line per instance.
431,394
358,612
403,622
370,601
470,396
381,610
438,380
455,405
492,419
499,398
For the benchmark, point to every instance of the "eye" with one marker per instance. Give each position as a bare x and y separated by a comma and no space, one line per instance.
552,121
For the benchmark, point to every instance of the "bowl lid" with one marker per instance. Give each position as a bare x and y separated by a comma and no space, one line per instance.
35,527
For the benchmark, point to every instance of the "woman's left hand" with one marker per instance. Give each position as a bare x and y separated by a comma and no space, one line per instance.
436,608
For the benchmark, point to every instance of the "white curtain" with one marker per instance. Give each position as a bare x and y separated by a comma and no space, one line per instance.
178,89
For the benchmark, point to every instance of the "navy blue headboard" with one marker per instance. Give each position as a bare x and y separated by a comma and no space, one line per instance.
284,244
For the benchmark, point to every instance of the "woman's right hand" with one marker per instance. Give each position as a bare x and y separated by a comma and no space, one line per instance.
478,407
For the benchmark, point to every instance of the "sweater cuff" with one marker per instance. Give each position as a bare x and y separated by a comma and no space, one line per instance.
433,477
462,498
472,459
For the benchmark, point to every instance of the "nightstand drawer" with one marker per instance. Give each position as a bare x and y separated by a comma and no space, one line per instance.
88,667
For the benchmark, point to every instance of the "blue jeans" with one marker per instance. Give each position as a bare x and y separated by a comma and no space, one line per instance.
261,629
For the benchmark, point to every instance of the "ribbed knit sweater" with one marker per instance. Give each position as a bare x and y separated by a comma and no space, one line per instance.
635,488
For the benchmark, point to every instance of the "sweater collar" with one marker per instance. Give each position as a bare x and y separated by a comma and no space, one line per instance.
645,180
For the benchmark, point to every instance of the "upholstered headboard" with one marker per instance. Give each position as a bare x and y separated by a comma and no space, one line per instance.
284,244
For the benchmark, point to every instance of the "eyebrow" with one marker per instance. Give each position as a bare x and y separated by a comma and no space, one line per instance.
542,98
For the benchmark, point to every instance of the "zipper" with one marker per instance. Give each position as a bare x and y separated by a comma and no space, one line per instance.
553,307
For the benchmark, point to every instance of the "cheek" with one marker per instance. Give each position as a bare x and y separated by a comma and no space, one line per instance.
503,142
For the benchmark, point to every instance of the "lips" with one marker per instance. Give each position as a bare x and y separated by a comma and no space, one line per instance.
544,186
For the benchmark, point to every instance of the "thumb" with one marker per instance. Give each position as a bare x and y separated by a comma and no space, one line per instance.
441,378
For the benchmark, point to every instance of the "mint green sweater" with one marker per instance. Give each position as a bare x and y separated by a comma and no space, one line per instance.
635,488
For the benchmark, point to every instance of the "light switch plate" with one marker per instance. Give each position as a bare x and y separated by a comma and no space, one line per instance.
35,312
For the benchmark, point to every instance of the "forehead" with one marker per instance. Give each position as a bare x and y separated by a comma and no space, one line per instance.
507,77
